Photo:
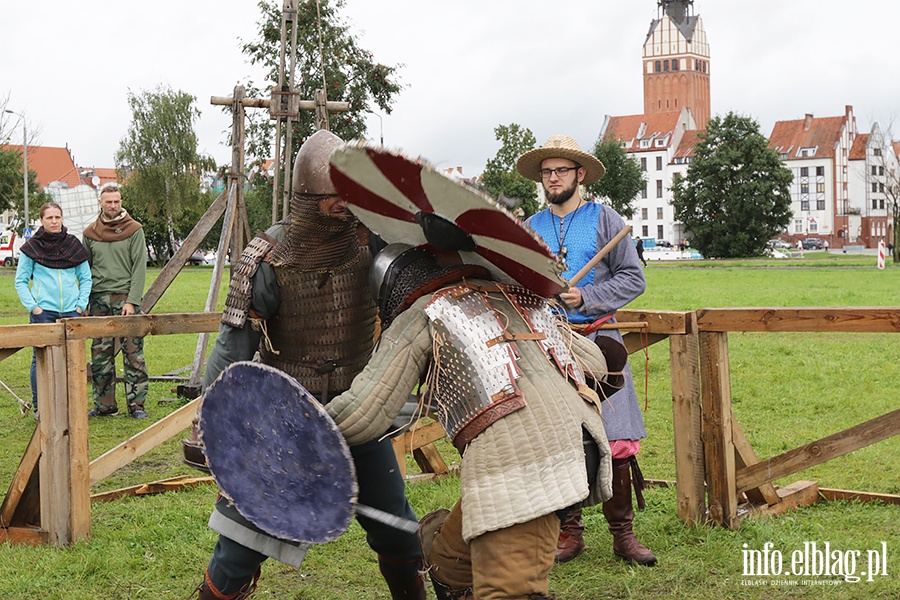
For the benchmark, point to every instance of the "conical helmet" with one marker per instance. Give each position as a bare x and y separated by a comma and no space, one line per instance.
311,176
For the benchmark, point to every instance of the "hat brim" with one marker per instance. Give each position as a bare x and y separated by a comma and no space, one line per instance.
529,164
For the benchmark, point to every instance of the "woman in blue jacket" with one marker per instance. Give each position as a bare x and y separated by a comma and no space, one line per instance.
56,265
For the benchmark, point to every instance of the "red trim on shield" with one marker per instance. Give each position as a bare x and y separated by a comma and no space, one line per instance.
529,278
492,223
405,175
364,198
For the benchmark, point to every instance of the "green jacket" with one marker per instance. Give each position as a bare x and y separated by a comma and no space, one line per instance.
119,267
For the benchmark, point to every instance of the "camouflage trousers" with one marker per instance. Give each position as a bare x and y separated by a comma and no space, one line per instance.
103,360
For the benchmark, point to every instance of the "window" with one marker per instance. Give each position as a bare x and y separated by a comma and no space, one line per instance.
804,204
659,163
874,170
804,188
874,202
659,212
820,187
643,163
644,214
665,66
644,191
798,225
644,230
659,232
675,64
804,171
881,170
657,69
820,171
659,188
820,204
875,186
876,151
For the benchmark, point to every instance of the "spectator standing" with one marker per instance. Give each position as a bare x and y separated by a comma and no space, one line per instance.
118,258
53,279
639,246
576,229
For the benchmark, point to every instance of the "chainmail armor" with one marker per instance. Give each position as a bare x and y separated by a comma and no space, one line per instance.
237,303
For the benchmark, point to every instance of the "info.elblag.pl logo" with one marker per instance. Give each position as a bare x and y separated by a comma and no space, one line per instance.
814,560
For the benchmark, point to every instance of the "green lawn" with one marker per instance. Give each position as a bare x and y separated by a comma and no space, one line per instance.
787,389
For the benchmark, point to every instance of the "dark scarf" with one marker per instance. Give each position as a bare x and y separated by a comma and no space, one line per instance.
55,250
112,230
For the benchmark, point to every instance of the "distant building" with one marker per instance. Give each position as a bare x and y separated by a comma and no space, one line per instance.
873,169
655,142
676,62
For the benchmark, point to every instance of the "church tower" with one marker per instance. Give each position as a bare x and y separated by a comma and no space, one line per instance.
676,62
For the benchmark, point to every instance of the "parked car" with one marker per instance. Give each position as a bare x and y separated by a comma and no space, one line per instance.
778,245
813,243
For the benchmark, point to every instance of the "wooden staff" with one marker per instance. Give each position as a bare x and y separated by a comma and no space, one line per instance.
599,256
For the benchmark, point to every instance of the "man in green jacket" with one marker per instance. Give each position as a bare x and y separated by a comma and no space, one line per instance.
118,258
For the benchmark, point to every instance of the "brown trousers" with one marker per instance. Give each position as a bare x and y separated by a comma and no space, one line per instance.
508,564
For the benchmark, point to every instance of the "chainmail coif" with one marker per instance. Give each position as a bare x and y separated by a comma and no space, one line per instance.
315,242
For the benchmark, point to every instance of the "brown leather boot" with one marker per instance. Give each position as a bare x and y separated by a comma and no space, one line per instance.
403,577
571,537
208,591
620,515
193,448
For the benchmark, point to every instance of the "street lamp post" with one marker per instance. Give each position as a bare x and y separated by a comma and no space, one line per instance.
380,126
25,167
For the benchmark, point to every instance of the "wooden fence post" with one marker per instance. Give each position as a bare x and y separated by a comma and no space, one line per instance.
718,445
686,410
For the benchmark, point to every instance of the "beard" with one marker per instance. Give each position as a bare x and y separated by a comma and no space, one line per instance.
561,196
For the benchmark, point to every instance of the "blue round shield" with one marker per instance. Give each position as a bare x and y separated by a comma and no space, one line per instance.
277,455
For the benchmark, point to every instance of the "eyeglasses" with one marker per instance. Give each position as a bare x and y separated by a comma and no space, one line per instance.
560,171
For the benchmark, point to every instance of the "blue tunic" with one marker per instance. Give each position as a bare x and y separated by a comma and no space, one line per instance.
614,282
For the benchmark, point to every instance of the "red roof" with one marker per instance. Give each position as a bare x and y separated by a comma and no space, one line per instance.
688,143
50,164
633,128
823,134
858,151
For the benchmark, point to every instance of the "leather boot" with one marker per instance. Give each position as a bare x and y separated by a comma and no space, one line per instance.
208,591
192,448
403,577
571,537
619,514
429,527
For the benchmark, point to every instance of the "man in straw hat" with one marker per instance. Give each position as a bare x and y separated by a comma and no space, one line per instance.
576,228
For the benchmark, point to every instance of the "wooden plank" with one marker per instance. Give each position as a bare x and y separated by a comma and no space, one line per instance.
635,341
79,455
819,451
684,356
399,444
7,352
183,254
16,337
845,319
429,459
744,456
836,494
717,436
141,325
23,535
425,434
795,495
20,479
141,443
56,490
668,322
156,487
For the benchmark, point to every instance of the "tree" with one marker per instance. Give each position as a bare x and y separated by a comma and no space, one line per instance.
736,192
159,156
12,192
351,73
500,176
623,180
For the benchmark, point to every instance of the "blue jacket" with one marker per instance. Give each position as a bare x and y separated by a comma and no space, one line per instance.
58,290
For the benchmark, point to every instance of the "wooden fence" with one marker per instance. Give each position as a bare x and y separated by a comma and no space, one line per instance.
717,471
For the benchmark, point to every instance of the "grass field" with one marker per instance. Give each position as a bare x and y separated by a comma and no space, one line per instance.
787,389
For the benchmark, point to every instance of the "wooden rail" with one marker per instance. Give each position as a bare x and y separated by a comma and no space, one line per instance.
715,466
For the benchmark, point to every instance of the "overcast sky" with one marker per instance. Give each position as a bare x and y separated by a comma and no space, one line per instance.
468,66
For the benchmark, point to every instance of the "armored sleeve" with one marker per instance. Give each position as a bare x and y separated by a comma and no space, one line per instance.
237,304
377,394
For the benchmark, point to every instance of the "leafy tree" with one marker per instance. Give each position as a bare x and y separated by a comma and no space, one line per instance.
736,193
500,176
623,180
12,194
351,73
159,155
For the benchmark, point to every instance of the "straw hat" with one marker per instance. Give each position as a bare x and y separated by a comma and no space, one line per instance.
560,146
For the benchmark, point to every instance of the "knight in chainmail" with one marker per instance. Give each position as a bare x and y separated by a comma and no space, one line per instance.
515,390
299,296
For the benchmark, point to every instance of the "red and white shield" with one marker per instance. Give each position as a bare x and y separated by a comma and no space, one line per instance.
406,201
